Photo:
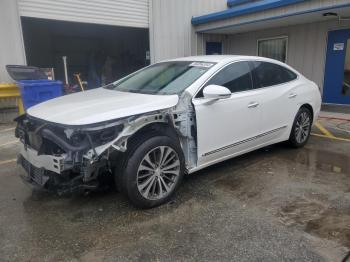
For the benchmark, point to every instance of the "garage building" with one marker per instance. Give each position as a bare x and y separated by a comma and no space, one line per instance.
101,40
310,35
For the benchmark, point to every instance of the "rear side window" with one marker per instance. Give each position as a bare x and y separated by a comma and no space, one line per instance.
236,77
269,74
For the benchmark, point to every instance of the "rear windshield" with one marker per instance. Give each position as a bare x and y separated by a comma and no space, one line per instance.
166,78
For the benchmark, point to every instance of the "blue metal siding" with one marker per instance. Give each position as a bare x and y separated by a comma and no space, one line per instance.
334,72
231,3
252,7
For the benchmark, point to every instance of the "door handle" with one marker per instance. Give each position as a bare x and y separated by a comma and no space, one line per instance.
292,95
253,104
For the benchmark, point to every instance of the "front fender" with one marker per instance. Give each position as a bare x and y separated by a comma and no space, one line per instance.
131,126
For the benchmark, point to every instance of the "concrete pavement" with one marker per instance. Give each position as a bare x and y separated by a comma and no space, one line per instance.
275,204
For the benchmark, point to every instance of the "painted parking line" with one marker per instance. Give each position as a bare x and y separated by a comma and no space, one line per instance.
324,130
334,118
8,161
334,138
10,143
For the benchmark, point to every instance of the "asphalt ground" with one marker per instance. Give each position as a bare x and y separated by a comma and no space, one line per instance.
275,204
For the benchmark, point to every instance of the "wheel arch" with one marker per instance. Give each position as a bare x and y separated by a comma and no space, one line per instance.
309,107
134,141
157,128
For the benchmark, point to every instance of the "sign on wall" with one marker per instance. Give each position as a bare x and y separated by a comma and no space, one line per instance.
338,46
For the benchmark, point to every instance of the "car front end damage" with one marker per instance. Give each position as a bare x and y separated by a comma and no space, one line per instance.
69,158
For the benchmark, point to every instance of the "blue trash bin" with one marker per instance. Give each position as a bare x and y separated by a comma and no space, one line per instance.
36,91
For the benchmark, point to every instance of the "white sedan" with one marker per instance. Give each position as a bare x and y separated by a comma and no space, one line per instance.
171,118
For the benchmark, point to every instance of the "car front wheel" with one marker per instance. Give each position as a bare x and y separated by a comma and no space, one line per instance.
301,128
153,171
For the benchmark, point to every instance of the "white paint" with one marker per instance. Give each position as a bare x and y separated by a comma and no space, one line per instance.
241,116
99,105
224,122
216,92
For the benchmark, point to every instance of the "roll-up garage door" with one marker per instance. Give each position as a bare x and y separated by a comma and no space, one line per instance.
133,13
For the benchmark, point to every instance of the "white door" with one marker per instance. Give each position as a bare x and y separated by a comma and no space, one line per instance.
227,127
279,91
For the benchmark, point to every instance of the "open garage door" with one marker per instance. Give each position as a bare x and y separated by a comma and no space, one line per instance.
99,53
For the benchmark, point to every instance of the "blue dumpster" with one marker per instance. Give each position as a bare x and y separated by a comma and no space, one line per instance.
36,91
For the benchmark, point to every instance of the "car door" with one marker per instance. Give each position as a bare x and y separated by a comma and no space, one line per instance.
227,127
279,95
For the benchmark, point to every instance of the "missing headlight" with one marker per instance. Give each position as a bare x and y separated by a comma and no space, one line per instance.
98,137
77,138
109,134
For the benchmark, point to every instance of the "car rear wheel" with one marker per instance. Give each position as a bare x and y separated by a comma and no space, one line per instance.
301,128
153,171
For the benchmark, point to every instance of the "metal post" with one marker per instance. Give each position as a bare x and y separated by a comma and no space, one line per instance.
64,58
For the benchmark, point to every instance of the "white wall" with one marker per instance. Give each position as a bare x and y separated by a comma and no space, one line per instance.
11,42
306,45
171,31
172,35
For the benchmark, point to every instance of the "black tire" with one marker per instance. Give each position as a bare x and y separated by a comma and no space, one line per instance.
136,152
294,141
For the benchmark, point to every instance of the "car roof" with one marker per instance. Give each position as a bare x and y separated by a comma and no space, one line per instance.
223,58
208,58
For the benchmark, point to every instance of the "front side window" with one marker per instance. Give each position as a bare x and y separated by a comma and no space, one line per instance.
269,74
166,78
236,77
275,48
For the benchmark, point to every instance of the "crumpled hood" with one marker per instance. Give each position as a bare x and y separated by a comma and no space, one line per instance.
99,105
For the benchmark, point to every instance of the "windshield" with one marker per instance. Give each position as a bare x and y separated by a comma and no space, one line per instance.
166,78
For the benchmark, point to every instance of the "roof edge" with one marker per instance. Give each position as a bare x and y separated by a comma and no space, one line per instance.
231,3
327,8
248,8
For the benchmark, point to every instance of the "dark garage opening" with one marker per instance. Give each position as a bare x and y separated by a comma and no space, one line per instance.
100,53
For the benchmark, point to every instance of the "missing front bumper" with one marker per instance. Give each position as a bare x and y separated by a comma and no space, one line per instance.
46,180
51,163
32,174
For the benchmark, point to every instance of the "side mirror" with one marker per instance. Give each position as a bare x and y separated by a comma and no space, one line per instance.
216,92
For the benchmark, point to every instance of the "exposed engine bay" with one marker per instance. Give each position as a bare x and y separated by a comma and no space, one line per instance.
66,158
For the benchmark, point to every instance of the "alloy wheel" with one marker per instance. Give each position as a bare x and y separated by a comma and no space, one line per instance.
302,127
158,173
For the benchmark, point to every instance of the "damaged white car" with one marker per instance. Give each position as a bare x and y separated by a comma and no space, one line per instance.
169,119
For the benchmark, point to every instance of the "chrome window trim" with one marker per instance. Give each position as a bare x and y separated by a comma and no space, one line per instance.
215,73
254,89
